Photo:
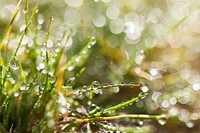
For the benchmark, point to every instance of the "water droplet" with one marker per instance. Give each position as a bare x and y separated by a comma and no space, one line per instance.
140,122
84,51
52,18
62,110
22,27
93,41
153,72
156,95
140,56
44,71
89,46
95,85
37,10
139,104
78,59
50,123
113,12
196,86
42,87
144,89
141,94
14,65
165,104
12,81
173,100
37,89
84,87
116,26
162,122
40,19
41,66
116,89
49,44
77,92
99,21
89,102
22,88
173,111
70,68
74,3
16,94
190,124
52,79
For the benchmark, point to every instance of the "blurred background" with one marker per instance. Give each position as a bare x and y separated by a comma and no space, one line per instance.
152,42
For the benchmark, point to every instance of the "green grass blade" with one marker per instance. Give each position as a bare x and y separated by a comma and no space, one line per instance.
119,106
80,56
9,27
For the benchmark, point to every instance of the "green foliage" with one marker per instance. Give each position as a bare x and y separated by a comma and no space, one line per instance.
40,97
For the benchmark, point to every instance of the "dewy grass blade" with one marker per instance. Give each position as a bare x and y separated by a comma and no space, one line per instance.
72,63
26,15
119,106
9,27
19,44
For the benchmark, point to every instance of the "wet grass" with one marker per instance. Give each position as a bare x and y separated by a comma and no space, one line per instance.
36,96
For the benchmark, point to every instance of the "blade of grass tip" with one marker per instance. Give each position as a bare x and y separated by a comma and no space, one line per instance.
73,81
85,50
121,105
26,15
9,27
19,44
47,55
22,76
60,53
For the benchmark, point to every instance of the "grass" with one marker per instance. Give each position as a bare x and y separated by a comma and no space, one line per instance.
36,96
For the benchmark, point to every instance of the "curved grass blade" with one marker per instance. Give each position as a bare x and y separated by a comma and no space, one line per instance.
119,106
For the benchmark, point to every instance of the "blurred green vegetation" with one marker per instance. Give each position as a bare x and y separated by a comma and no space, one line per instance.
96,56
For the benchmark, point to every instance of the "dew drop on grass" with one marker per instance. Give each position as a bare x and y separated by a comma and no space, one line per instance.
14,65
162,121
140,56
89,46
52,18
22,27
93,41
144,89
140,122
141,95
116,89
84,87
89,102
95,85
25,40
37,89
12,81
23,88
52,79
37,10
49,44
16,94
78,59
190,124
50,123
84,51
62,110
42,87
99,21
70,68
41,66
